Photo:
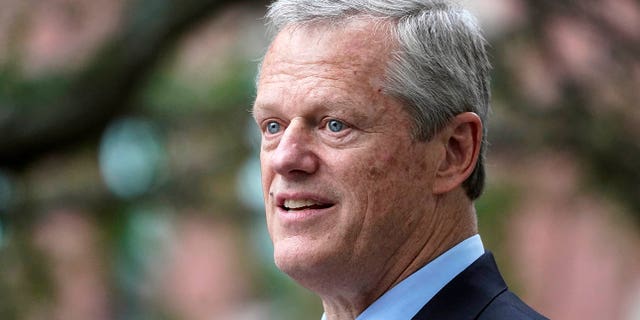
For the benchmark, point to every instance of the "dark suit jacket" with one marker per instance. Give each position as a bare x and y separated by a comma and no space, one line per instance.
479,292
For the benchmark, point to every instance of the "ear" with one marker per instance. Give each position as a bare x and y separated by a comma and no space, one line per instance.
461,139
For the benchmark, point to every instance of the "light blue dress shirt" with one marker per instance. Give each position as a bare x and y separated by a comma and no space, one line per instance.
409,296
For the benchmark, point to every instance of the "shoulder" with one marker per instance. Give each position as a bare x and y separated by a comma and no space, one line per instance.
479,292
507,305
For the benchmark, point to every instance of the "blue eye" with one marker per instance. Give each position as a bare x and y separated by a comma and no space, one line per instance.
273,127
335,125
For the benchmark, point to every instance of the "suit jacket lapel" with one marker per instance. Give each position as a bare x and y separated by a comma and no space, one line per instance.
467,294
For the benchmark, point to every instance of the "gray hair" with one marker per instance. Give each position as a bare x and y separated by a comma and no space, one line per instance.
440,69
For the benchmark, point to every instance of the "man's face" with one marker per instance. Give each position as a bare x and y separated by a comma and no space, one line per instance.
345,185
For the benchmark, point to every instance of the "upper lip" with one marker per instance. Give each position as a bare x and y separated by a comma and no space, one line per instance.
280,199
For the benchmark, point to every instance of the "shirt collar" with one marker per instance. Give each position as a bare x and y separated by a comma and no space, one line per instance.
405,299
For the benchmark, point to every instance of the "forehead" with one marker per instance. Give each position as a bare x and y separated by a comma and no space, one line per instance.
333,58
355,41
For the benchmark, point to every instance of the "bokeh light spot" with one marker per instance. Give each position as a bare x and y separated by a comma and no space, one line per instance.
131,156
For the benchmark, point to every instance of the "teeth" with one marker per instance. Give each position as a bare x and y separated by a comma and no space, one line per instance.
297,204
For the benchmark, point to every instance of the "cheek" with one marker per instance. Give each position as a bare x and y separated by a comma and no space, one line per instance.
374,180
391,164
366,171
378,167
395,177
265,171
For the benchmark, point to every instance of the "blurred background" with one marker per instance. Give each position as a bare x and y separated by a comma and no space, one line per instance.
129,178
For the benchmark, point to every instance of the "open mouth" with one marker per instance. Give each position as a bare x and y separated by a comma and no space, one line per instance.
298,205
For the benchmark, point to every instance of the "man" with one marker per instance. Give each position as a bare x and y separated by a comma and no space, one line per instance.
372,117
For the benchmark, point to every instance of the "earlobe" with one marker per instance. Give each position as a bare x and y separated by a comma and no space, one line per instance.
461,138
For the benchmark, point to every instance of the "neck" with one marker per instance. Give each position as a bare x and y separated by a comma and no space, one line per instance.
448,224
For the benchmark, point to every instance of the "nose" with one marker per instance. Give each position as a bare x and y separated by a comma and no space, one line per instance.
294,156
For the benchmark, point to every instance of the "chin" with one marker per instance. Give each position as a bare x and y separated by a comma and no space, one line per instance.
290,258
307,265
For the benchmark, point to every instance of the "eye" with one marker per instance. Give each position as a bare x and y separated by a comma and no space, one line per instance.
335,125
273,127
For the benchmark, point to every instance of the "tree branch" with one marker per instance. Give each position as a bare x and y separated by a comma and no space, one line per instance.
104,89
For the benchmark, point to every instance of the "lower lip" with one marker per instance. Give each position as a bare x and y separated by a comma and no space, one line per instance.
300,216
